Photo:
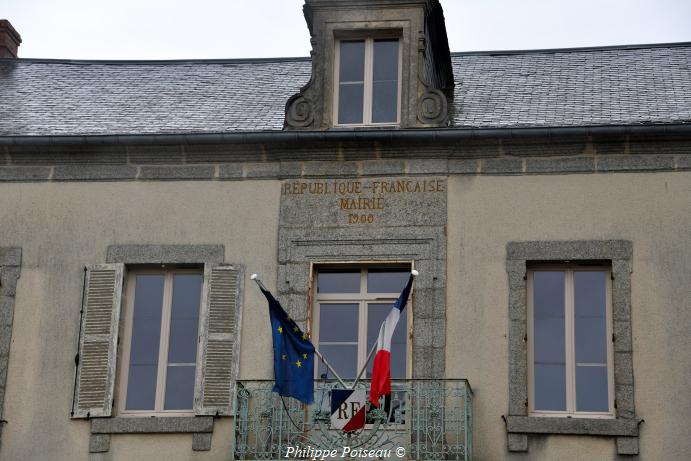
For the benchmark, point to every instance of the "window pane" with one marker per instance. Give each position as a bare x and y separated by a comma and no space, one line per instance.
380,281
376,314
184,318
548,294
338,323
179,388
141,387
385,82
342,358
338,282
590,316
549,341
385,102
591,389
550,387
591,340
385,60
352,63
590,292
144,346
350,102
590,307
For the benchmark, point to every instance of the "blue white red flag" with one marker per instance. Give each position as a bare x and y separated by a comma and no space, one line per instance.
381,370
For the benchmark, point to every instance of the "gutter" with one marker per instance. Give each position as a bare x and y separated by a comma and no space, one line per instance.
420,135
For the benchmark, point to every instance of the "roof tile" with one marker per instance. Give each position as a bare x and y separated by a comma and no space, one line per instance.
608,86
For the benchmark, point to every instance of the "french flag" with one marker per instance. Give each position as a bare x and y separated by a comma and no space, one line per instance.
381,371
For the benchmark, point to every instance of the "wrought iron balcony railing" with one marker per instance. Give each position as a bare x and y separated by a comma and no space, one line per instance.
423,419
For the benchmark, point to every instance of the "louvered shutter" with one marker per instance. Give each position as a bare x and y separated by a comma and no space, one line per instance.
98,341
219,341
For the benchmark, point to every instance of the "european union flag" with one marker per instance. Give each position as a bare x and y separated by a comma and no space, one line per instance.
293,355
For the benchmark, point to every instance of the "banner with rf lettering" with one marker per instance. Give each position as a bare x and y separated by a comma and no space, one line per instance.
348,409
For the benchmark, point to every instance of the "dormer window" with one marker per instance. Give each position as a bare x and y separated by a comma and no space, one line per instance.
368,82
375,64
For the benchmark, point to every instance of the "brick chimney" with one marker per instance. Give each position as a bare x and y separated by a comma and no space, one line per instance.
9,40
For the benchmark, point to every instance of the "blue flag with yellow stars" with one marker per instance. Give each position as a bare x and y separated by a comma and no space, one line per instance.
293,355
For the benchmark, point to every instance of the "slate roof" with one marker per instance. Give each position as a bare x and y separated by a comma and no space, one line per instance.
646,84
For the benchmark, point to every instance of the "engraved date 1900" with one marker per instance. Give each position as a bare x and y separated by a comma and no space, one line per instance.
360,218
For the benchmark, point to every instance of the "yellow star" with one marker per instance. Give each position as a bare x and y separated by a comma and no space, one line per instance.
304,356
304,336
299,364
279,329
296,329
285,356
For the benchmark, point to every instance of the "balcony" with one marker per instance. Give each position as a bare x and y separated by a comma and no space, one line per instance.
423,419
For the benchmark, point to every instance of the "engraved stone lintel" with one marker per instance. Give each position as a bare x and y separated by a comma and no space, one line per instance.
365,201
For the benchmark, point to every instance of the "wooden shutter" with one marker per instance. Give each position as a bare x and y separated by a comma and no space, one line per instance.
98,341
219,344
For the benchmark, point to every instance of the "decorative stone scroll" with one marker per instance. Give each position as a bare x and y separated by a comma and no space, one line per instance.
299,111
432,107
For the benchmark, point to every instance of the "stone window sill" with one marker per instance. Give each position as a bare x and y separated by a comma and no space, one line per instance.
582,426
201,428
625,430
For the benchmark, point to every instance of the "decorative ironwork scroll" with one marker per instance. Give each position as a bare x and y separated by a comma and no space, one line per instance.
429,419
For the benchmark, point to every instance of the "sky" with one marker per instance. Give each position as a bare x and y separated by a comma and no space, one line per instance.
220,29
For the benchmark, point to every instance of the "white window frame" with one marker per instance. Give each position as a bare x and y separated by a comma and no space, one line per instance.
569,331
168,274
362,299
368,83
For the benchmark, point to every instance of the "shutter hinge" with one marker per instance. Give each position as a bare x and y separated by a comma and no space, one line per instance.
76,360
614,338
525,338
615,404
611,275
118,340
526,403
525,276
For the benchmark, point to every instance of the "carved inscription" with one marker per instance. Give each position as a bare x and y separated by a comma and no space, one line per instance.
362,200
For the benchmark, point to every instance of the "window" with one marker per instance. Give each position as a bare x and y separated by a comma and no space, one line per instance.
350,306
161,335
580,399
167,345
570,347
367,88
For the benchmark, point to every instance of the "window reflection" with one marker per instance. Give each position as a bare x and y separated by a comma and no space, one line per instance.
352,305
569,343
164,323
368,81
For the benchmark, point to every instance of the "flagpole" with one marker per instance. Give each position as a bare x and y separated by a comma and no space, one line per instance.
330,367
369,357
255,277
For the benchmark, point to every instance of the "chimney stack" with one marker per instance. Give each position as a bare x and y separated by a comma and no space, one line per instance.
9,40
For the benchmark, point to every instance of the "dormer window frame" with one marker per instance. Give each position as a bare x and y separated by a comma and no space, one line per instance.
369,37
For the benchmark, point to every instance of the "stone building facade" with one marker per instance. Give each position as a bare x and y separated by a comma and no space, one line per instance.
491,173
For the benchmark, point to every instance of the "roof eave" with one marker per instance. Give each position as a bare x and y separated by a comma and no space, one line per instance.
415,135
